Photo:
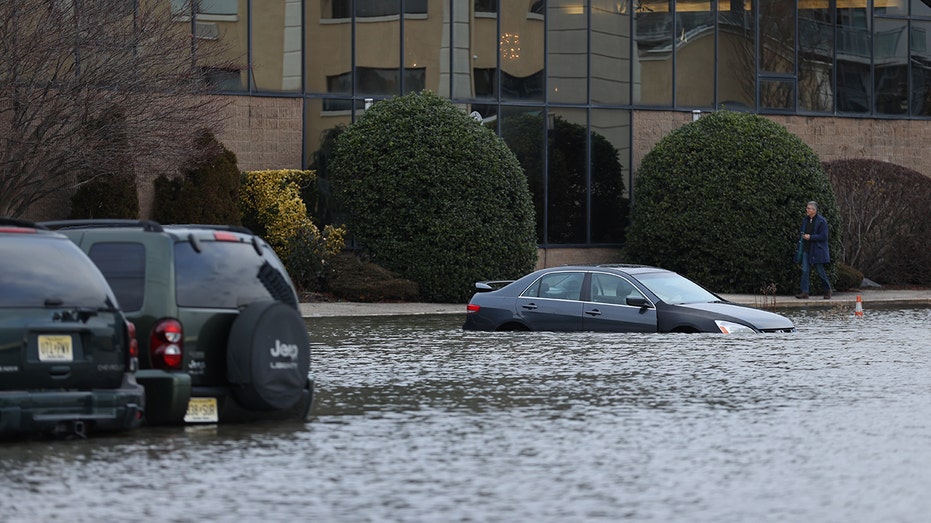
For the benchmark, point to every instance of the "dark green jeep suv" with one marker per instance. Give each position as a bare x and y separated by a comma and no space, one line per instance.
220,334
67,353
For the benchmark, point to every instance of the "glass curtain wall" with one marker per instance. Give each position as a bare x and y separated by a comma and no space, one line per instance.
558,78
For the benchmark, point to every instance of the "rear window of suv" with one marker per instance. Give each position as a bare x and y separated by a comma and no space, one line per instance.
49,272
222,275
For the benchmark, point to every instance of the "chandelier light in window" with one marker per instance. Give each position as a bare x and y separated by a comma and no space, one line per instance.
510,46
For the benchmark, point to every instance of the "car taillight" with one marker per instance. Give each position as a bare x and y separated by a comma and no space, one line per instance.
166,345
222,236
133,346
470,308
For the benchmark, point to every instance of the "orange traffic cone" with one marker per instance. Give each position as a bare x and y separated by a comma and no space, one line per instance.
858,311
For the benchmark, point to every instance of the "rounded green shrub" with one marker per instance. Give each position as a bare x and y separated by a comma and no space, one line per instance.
720,200
434,197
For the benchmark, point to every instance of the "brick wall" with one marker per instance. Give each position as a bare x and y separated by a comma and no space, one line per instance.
264,132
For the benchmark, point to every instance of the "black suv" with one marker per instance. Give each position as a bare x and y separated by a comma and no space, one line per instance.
67,353
220,333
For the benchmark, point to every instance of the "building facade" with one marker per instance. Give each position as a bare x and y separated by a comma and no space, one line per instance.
582,88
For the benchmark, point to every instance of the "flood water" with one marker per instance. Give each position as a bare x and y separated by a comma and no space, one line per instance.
416,420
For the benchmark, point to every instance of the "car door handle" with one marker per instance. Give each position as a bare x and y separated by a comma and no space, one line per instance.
530,306
593,312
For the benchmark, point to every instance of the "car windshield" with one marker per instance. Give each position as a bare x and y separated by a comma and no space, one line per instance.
47,272
673,288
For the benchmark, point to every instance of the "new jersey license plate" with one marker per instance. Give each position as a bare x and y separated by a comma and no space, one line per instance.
201,410
55,347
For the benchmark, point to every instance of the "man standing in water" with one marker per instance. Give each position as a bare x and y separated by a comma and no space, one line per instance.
814,249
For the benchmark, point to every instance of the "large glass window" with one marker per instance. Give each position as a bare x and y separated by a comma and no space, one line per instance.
816,57
372,8
567,51
610,166
567,176
425,51
777,36
890,73
736,55
653,28
220,40
610,53
276,46
853,60
921,68
694,42
329,50
521,52
523,129
377,52
921,8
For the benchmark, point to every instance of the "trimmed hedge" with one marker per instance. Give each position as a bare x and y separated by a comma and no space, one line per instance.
108,196
434,197
111,191
207,192
720,200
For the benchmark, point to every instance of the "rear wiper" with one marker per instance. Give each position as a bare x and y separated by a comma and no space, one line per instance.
81,314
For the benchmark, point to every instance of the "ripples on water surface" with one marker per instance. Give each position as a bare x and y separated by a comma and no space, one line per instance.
416,420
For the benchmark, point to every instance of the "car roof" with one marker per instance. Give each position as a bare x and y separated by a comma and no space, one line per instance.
17,227
632,269
147,225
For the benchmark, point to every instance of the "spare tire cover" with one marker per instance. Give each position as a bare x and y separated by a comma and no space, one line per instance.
268,356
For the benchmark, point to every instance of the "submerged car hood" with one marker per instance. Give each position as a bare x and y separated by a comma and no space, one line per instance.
762,320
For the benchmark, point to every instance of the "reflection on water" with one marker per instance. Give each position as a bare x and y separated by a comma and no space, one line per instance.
416,420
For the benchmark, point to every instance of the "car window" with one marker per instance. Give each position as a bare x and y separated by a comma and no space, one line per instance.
222,275
41,272
559,285
673,288
608,288
123,265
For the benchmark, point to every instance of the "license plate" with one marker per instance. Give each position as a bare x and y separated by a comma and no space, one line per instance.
55,347
201,410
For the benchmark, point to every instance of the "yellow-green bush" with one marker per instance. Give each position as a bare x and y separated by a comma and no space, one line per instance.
272,207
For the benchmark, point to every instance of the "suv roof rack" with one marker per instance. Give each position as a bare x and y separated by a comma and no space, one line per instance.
211,226
146,225
16,222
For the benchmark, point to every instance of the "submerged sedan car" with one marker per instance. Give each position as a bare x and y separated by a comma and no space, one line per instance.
616,298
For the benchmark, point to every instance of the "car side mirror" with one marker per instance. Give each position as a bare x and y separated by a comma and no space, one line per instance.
639,301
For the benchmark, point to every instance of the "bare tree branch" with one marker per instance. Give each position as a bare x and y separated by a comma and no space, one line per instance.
68,66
